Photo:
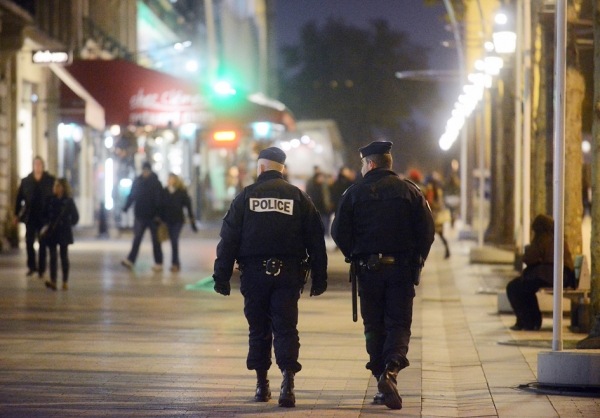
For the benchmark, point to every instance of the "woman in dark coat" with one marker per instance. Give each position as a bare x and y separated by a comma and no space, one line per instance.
175,199
434,195
539,259
60,214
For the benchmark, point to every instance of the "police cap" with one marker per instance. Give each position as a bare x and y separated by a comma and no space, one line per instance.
377,147
273,154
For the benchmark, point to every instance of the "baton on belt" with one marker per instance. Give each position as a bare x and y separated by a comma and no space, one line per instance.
353,270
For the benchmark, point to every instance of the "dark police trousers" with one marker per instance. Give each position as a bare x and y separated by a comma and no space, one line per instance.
271,308
386,302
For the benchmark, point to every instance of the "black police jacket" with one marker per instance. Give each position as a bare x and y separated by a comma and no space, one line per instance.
383,214
271,218
27,199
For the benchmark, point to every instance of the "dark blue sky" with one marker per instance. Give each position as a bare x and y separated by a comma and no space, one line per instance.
425,25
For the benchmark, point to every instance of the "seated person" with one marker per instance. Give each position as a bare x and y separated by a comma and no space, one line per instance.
539,259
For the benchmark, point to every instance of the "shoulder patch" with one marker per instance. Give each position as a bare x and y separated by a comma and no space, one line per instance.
272,204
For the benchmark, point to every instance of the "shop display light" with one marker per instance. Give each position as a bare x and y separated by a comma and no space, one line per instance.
261,129
115,130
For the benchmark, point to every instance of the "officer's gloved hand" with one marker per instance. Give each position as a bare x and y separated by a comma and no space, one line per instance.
223,288
193,224
318,288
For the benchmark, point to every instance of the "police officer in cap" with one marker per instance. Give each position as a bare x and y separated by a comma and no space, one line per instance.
272,229
384,225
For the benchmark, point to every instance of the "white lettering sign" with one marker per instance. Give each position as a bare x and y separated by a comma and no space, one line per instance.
49,57
271,204
167,100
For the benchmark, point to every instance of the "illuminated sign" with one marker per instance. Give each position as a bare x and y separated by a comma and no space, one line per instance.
221,136
227,136
51,57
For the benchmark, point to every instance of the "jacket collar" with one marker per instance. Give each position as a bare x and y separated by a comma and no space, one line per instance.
270,175
378,173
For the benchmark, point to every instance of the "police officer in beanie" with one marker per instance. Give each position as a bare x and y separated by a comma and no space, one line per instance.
384,225
270,229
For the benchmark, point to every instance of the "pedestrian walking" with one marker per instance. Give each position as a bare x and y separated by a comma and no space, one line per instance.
452,196
318,190
175,200
384,226
270,228
441,215
146,193
60,215
539,259
33,193
416,177
345,179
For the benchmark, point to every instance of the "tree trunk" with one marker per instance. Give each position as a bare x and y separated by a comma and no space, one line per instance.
573,155
595,235
500,229
574,95
542,111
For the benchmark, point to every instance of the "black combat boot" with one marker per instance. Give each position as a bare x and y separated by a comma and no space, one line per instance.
287,399
379,398
387,386
263,391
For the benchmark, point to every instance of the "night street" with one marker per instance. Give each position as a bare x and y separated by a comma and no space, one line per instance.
121,343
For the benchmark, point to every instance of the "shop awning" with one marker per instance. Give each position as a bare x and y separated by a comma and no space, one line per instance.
132,94
93,112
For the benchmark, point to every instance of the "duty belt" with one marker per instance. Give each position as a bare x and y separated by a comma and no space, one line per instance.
374,261
271,265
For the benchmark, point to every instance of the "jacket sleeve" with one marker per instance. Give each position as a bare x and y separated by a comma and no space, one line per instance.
187,203
231,235
341,229
20,198
423,224
158,198
314,240
74,212
132,194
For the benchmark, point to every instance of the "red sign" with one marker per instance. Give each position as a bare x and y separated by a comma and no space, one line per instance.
131,94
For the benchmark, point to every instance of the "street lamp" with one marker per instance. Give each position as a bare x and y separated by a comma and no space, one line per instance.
504,36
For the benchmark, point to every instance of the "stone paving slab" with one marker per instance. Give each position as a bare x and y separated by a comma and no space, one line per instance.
137,344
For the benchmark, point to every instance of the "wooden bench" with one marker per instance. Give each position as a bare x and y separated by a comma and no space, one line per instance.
579,296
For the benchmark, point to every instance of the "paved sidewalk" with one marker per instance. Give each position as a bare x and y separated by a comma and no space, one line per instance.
138,344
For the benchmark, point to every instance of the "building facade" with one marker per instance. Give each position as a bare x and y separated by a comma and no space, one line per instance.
133,88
